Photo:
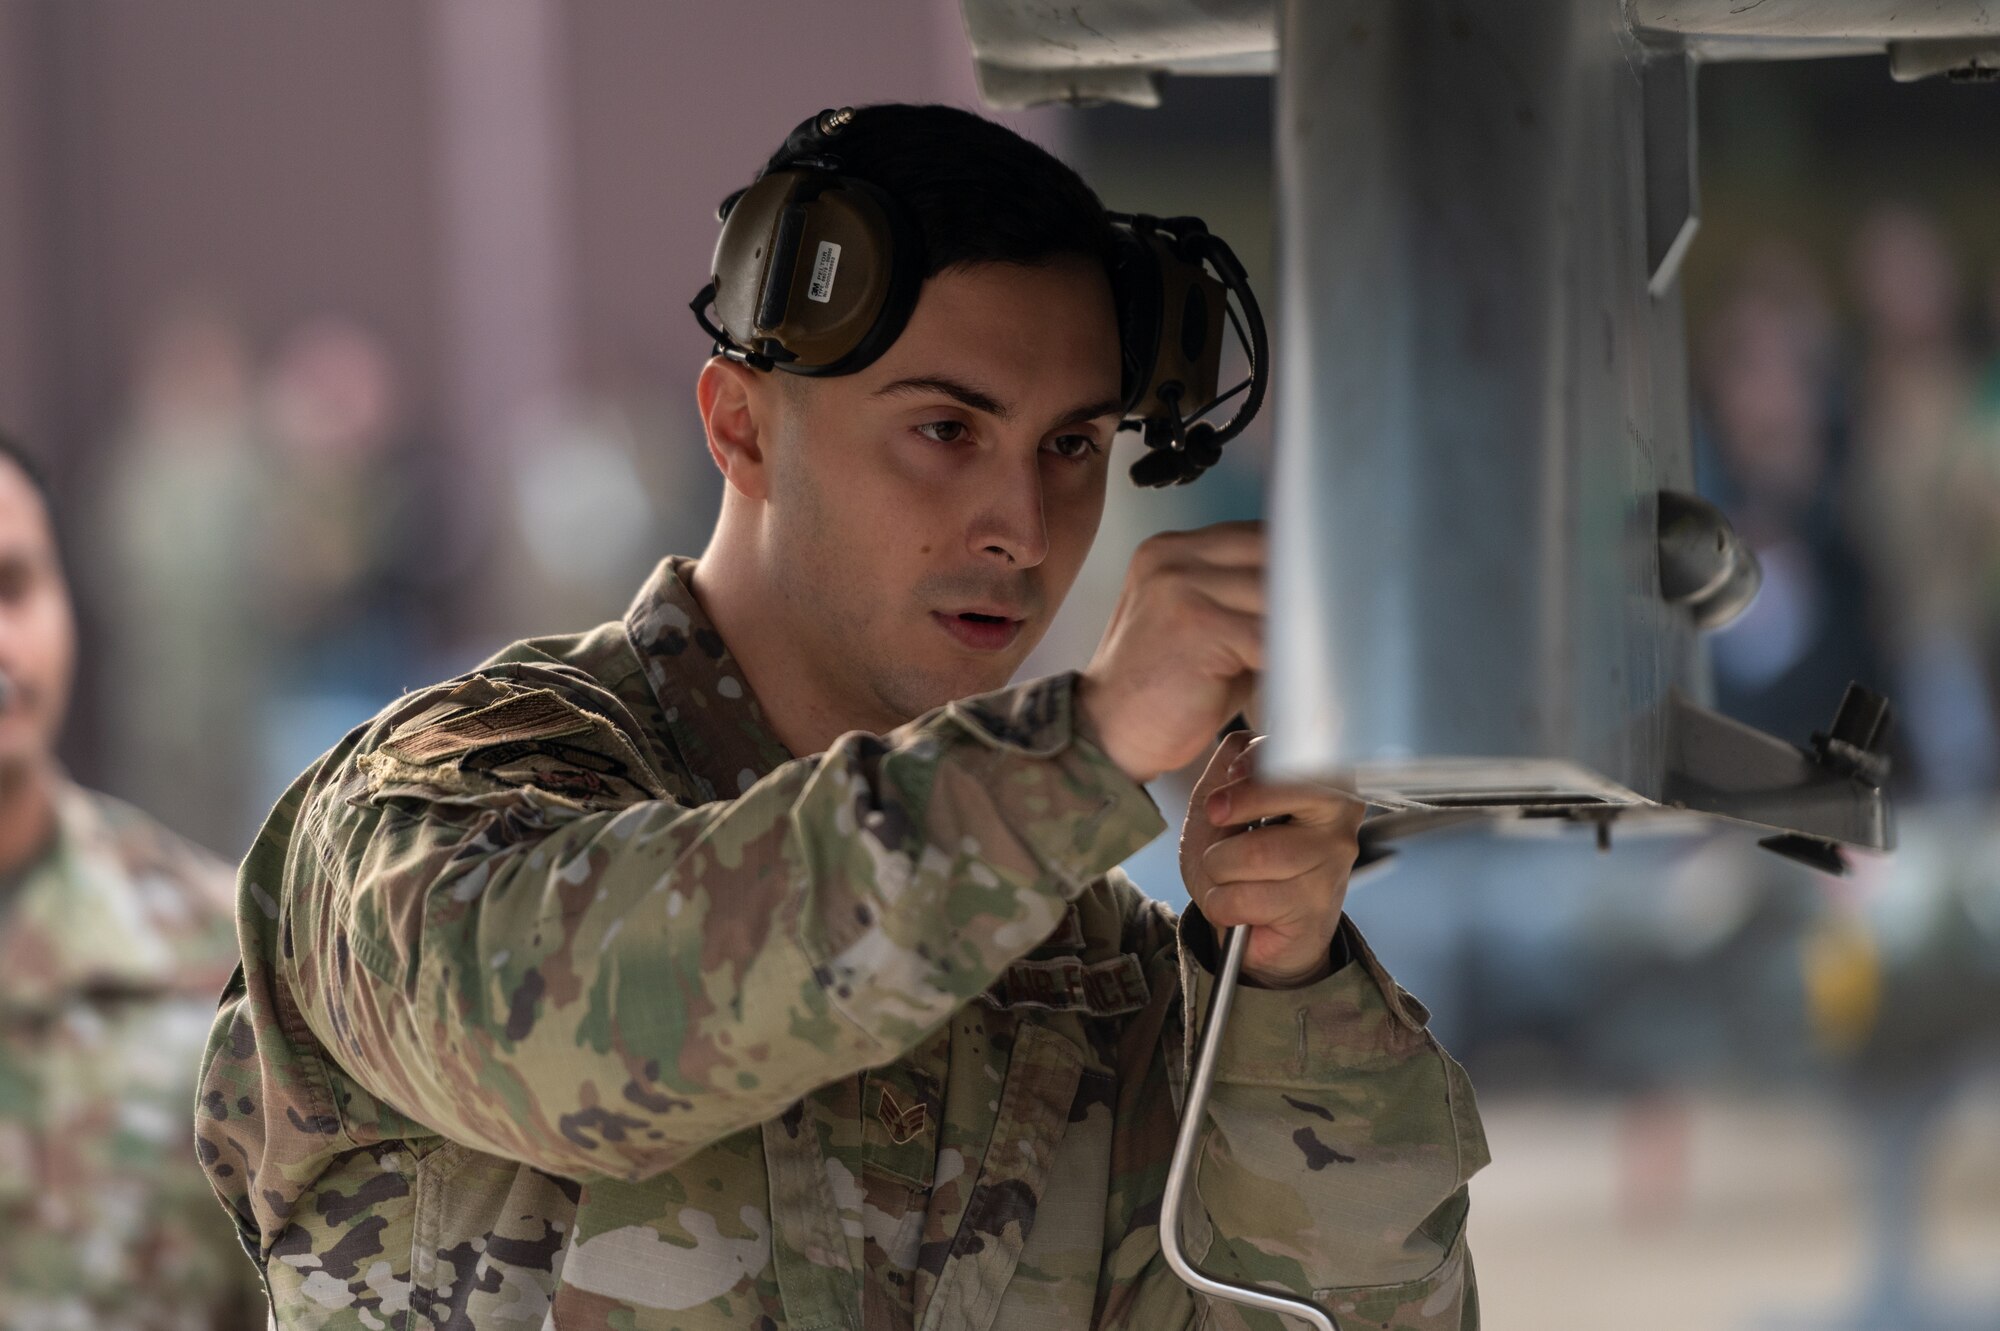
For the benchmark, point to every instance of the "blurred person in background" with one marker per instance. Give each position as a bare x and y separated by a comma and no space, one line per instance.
180,576
580,521
1859,485
115,938
338,543
1769,454
1920,503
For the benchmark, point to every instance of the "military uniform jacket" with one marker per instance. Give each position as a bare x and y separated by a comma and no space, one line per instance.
570,998
113,945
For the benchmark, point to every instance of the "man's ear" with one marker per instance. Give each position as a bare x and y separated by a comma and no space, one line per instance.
736,409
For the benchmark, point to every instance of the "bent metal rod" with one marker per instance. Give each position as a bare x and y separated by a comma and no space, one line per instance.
1180,1174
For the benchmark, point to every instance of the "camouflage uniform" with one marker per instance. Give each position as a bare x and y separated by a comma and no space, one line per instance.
113,946
569,995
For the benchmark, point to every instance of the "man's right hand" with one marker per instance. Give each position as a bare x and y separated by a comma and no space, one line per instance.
1182,651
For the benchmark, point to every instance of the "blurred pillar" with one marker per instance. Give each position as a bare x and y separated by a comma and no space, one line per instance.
505,254
20,295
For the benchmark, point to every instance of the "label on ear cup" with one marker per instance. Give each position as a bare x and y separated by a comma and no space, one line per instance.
825,264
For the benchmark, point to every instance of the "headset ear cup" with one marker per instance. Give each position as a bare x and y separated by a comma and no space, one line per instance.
1135,288
742,267
1172,313
899,247
781,267
816,273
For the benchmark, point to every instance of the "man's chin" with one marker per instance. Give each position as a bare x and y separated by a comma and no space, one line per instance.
914,697
985,677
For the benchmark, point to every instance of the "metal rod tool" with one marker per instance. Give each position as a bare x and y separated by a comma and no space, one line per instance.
1180,1174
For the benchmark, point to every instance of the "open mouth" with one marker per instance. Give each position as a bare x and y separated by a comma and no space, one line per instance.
978,631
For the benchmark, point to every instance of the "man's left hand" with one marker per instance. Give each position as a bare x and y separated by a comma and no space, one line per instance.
1286,881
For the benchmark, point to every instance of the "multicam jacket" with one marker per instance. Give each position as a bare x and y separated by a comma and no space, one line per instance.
113,946
571,999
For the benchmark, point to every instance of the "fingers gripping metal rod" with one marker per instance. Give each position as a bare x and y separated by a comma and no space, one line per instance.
1180,1174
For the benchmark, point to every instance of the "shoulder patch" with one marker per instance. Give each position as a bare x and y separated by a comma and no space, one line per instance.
539,714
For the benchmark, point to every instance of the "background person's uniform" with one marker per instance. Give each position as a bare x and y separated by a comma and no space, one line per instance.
565,981
113,945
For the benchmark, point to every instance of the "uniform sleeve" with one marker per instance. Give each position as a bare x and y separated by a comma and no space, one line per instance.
504,931
1340,1142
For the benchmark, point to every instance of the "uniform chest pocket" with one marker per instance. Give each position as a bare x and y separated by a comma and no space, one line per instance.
21,1116
1043,1074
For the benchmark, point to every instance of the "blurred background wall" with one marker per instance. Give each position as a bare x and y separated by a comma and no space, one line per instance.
355,336
311,307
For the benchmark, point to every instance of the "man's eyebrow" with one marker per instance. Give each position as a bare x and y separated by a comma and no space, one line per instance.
980,400
964,393
1090,411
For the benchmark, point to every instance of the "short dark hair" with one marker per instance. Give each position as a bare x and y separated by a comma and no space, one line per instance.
979,192
14,451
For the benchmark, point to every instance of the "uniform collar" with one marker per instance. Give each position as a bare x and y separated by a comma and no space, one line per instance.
81,919
713,719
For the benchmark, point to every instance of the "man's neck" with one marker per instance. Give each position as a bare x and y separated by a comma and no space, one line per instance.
27,813
800,710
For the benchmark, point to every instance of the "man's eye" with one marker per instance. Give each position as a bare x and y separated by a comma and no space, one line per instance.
1073,447
943,432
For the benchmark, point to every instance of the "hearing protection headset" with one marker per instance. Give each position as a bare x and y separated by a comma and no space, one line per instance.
816,273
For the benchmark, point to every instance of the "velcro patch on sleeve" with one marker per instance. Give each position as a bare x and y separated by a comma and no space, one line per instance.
574,772
535,715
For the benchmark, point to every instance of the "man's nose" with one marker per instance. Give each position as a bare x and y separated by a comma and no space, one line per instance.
1012,527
